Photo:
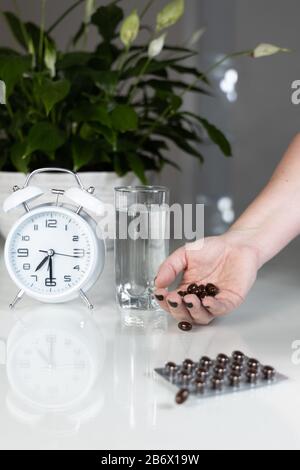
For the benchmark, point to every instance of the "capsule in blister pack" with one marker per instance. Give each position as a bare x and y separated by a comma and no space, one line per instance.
208,377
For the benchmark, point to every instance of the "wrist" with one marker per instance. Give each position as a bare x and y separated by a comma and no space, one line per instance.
246,238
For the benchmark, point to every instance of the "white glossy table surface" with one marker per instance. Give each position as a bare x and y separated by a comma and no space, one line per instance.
128,407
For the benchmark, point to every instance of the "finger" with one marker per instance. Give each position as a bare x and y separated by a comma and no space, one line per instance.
177,308
161,297
200,315
170,269
218,306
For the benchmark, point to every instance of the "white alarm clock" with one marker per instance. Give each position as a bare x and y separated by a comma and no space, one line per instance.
54,252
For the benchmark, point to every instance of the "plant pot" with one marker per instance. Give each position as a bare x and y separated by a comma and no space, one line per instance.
102,181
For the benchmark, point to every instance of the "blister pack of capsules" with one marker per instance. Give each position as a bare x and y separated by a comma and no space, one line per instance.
222,375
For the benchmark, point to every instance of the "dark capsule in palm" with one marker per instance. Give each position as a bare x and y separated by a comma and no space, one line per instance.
182,396
211,290
192,289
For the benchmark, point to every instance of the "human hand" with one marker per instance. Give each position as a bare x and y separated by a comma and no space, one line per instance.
229,262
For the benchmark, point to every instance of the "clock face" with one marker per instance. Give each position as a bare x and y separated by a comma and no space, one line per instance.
51,368
51,252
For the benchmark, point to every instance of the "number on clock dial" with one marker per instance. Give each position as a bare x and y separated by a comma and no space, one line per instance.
29,252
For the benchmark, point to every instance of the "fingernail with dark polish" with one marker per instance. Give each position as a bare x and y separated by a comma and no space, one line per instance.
173,304
160,298
188,304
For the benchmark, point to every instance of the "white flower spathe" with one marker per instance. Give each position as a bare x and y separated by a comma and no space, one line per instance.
2,92
263,50
170,14
156,46
197,35
130,29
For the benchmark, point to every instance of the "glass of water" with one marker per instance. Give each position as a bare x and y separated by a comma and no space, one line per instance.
141,243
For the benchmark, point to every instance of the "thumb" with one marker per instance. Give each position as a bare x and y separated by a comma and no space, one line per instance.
170,269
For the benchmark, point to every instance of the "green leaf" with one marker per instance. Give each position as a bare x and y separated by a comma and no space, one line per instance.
12,69
169,84
44,136
82,152
7,51
153,67
107,20
91,112
79,34
74,59
136,165
109,135
190,71
90,131
18,154
124,118
106,80
214,133
17,28
180,141
217,137
52,92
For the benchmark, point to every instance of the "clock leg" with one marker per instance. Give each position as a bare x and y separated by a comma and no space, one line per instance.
16,299
86,300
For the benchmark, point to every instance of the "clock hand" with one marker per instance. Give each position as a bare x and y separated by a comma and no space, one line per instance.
61,254
42,263
43,356
50,268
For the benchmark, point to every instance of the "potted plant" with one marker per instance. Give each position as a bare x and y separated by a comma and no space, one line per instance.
110,112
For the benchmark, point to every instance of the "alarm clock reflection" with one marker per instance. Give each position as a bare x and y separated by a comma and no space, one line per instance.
54,364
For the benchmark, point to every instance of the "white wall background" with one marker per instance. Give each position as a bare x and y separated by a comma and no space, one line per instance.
260,123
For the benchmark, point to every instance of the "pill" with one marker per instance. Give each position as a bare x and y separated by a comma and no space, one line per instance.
252,377
201,373
219,372
253,364
205,362
184,377
182,396
268,373
185,326
192,288
236,368
238,357
199,385
170,367
216,383
188,364
234,380
211,290
222,359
